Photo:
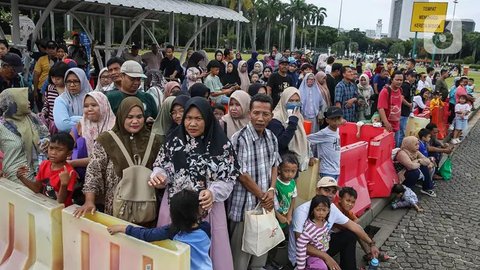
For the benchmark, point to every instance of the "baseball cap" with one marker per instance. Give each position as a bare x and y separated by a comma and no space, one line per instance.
14,61
333,112
327,181
283,60
132,69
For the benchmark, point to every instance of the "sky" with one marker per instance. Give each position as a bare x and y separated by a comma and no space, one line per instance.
364,14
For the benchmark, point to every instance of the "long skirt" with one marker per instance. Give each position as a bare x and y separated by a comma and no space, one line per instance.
220,251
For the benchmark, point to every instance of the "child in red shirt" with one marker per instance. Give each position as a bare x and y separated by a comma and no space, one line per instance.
56,178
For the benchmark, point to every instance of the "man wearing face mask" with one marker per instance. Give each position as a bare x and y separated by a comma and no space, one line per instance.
131,73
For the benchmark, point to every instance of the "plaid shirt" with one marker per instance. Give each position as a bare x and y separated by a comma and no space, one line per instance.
343,92
256,156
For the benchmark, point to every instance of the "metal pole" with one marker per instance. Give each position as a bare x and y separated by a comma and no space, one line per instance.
238,26
52,25
414,49
108,33
340,17
15,22
172,28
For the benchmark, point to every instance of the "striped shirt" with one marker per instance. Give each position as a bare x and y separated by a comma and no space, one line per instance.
257,156
48,101
319,237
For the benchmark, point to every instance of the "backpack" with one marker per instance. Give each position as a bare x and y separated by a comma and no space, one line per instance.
134,200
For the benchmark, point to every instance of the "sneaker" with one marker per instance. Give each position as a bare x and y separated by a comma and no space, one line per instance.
419,185
454,141
430,192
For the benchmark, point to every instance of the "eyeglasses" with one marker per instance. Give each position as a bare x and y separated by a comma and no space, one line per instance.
74,83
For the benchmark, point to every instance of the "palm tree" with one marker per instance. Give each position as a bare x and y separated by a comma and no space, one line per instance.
269,10
320,13
247,5
297,9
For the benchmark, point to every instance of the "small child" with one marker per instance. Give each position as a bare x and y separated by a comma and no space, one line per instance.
55,178
326,143
286,192
315,233
436,101
186,227
424,136
462,110
219,111
470,86
254,78
404,197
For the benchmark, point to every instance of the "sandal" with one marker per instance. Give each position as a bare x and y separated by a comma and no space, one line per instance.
382,257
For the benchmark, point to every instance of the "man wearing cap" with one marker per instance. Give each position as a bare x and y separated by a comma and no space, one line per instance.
131,74
441,86
42,67
279,81
12,66
343,242
133,54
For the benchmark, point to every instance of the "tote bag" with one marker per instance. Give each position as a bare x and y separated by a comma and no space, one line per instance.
261,231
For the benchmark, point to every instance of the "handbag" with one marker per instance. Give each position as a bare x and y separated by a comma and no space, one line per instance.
134,200
262,232
445,170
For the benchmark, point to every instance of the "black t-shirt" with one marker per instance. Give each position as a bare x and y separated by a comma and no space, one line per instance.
169,66
278,83
407,95
331,84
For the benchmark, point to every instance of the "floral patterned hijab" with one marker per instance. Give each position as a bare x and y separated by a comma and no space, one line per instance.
91,130
195,163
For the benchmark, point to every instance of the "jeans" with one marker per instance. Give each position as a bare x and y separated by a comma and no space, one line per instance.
400,134
423,173
334,176
344,242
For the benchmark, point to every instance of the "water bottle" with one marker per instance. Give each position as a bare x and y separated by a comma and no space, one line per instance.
373,264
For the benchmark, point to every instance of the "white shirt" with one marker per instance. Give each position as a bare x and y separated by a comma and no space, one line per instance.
423,84
328,69
300,215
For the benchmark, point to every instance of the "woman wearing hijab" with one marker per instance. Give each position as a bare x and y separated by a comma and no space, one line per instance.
154,86
203,63
176,113
257,88
238,113
107,162
199,156
267,72
171,88
251,62
368,71
416,166
287,125
312,100
243,73
365,92
257,68
104,81
68,107
322,84
98,117
21,132
238,58
199,90
231,77
163,122
219,58
194,73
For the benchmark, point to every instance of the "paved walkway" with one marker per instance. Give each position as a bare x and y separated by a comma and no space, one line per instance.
447,234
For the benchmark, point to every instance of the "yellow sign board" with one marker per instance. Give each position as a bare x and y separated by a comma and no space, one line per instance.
429,17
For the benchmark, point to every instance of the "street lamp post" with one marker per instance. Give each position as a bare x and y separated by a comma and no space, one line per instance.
340,17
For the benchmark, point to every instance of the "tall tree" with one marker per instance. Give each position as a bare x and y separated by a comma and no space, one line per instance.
297,9
270,10
320,13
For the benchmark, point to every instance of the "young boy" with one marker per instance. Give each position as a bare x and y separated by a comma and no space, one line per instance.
219,111
424,137
470,86
436,101
212,81
462,110
404,197
326,143
55,178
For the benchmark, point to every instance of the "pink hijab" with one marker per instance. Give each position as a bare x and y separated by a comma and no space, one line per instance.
91,130
169,86
244,79
323,87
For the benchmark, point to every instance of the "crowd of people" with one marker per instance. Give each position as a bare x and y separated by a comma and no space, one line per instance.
185,149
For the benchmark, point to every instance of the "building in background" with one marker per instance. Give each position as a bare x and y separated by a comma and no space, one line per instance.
468,25
378,32
400,18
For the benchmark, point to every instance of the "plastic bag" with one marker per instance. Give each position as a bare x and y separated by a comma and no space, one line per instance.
446,170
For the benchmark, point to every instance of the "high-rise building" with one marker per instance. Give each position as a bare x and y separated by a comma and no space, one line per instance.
378,32
400,18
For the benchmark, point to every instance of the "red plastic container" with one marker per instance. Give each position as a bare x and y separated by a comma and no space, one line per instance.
307,125
381,174
353,166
